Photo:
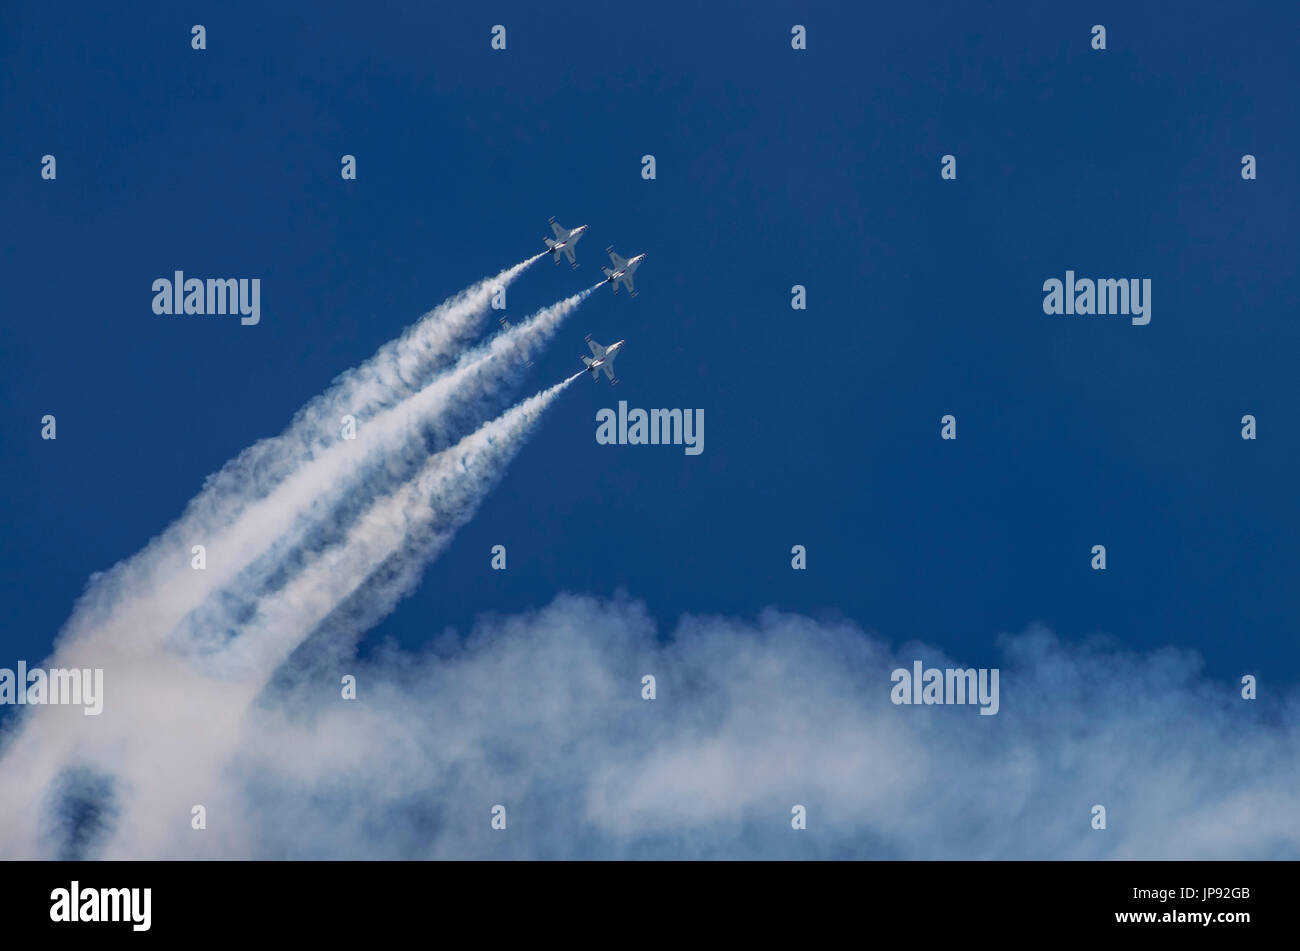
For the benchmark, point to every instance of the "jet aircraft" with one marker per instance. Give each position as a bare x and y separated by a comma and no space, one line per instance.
602,358
622,271
564,241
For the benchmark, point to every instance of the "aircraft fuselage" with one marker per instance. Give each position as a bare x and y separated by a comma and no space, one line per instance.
574,235
612,349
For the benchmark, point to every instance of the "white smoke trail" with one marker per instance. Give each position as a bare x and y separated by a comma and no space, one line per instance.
396,370
145,598
414,522
386,451
149,762
127,612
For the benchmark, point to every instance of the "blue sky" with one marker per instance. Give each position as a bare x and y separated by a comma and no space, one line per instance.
774,168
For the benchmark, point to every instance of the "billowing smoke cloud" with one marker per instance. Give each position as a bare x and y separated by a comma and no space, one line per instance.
544,714
207,697
142,619
212,702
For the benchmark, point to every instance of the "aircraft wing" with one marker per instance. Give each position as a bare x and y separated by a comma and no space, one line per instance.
619,262
627,282
597,351
609,371
560,233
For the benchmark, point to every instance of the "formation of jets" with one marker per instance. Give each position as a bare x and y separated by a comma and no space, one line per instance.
564,243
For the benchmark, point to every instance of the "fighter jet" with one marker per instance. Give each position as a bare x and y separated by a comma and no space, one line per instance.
622,271
564,240
602,358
